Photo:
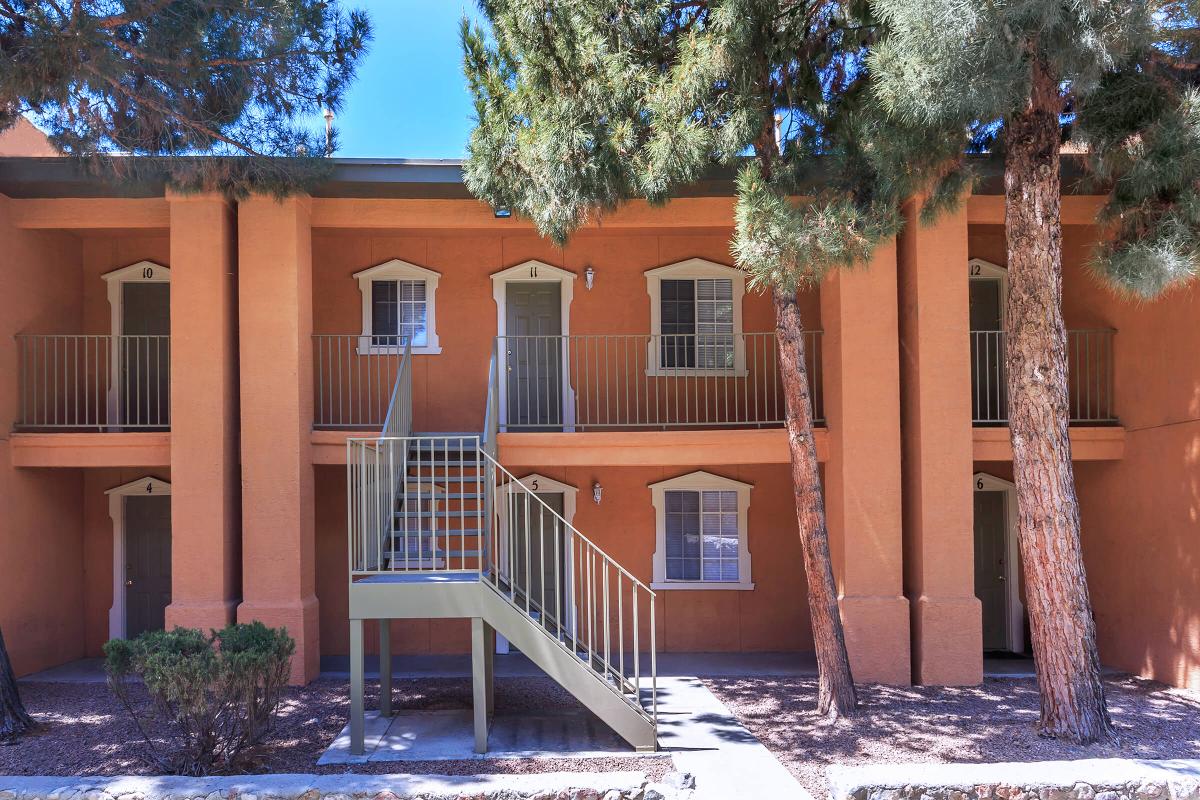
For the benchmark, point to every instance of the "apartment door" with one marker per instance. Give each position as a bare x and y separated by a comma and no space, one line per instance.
989,394
533,355
991,567
540,546
148,562
143,355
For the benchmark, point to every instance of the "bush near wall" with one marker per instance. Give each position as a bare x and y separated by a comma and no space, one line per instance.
213,696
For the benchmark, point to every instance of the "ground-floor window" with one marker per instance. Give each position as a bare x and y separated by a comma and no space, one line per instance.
701,533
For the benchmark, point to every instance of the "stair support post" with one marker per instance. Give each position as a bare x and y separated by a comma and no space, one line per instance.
357,712
385,667
482,679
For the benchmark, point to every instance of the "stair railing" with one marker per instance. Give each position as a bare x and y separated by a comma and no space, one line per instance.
398,421
587,602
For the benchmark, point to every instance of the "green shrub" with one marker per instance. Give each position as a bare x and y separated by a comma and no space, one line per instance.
214,695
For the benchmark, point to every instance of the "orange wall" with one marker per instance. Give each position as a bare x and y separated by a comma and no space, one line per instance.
450,388
772,617
1141,514
41,559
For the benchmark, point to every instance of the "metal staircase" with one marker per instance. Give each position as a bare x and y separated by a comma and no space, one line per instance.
440,529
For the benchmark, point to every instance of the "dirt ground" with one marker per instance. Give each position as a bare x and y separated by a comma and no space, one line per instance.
84,730
988,723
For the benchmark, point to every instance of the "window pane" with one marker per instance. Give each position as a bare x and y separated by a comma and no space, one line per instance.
678,323
384,312
714,323
412,311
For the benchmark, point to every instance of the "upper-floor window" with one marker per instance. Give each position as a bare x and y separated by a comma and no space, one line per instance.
696,318
701,539
398,305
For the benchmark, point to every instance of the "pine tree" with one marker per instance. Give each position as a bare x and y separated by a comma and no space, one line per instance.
585,104
220,86
216,86
14,720
1022,77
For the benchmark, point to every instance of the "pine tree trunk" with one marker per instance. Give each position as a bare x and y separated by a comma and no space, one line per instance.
1060,611
835,691
13,718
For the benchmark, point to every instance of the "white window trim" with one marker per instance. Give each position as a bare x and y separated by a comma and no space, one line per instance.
700,481
540,484
692,269
534,271
980,270
983,482
397,270
139,272
146,485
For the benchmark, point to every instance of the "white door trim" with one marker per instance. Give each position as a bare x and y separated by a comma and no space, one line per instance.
1014,610
534,271
146,485
540,484
139,272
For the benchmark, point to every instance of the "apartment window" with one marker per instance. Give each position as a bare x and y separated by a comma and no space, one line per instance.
701,533
696,318
398,305
398,312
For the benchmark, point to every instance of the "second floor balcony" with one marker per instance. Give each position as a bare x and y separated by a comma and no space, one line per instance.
1089,374
582,382
98,383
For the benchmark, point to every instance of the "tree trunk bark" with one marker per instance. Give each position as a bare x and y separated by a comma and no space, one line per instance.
835,684
13,718
1056,591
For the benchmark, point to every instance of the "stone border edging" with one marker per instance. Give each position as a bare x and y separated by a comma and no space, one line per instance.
1087,779
348,786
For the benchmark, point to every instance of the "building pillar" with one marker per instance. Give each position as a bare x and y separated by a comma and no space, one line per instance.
275,314
935,352
205,502
862,475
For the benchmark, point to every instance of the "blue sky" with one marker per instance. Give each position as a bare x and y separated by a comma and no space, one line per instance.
410,99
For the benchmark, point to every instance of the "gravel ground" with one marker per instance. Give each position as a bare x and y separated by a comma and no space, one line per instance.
988,723
85,730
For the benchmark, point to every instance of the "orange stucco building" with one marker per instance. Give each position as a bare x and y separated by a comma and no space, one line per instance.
179,376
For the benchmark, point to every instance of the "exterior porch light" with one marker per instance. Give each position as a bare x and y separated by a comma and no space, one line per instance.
597,490
589,278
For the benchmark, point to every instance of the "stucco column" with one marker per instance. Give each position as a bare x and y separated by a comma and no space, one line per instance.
275,312
205,504
862,475
935,383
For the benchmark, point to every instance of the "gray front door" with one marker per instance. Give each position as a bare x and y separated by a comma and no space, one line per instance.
143,353
540,548
991,568
533,354
148,562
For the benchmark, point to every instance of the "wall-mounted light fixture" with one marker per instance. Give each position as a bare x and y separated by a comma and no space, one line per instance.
589,279
597,490
502,213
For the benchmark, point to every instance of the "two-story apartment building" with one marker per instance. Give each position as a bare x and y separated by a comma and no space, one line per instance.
180,376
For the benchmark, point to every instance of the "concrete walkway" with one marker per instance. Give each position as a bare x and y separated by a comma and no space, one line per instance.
705,739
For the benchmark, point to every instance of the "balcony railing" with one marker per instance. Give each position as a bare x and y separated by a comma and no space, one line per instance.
1089,368
86,382
645,381
353,379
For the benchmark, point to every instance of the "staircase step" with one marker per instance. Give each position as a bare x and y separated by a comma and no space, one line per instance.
438,514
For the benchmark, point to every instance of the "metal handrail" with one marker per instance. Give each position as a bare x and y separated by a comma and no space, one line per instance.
398,421
588,614
354,379
93,381
632,381
442,504
1089,376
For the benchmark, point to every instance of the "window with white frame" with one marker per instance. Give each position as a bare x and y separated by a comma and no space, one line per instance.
398,306
696,318
701,533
